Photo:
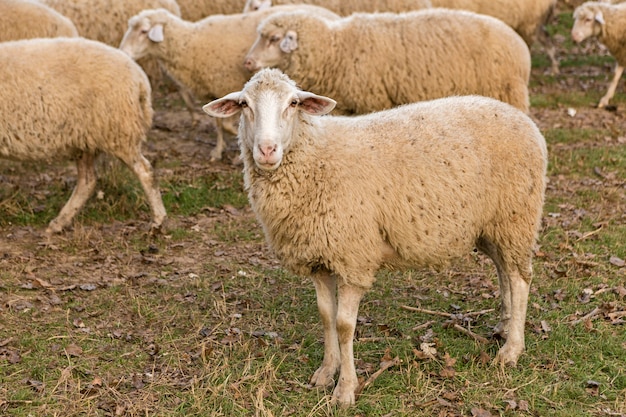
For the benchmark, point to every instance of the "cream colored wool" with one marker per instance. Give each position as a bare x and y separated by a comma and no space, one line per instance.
205,56
73,98
525,16
418,185
347,7
370,62
194,10
25,19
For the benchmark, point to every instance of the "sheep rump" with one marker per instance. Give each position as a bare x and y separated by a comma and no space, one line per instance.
420,184
25,19
74,98
370,62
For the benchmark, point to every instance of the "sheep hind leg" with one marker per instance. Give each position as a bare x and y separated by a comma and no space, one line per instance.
216,153
514,290
143,170
326,289
349,298
85,186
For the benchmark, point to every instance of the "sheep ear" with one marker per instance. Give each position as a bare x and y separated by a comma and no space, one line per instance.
266,4
226,106
314,104
155,34
289,42
600,18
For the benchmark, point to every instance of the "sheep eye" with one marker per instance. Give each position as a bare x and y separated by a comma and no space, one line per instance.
294,102
274,39
243,104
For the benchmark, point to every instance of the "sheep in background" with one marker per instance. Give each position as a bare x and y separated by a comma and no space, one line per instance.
185,52
194,10
75,98
527,17
606,22
347,7
417,185
107,20
370,62
25,19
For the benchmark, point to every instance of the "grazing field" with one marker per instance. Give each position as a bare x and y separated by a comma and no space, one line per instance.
106,320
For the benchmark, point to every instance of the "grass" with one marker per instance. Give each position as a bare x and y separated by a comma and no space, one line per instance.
105,320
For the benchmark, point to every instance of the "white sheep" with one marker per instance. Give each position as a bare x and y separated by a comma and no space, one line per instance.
527,17
194,10
75,98
185,50
107,20
340,197
25,19
370,62
347,7
607,23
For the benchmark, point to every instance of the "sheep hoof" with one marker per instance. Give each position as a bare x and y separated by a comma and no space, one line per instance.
343,397
323,377
508,355
216,155
501,330
53,228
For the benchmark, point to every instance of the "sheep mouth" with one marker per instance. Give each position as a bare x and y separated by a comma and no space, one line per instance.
267,166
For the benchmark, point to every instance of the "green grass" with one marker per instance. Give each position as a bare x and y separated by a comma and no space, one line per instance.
202,321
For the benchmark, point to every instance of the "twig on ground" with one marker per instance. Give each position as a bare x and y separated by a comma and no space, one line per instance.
593,313
470,333
383,367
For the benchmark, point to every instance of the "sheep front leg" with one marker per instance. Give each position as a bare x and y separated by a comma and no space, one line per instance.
216,153
518,291
326,289
85,186
349,298
604,101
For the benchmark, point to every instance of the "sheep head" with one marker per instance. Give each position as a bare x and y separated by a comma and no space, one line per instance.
254,5
588,21
271,108
144,30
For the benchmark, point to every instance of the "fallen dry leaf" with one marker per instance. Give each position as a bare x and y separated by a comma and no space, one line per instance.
73,350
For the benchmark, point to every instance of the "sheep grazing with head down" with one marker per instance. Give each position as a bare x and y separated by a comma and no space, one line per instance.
26,19
375,61
606,22
340,197
73,98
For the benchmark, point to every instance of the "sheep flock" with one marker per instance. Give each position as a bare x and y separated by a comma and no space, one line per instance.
372,134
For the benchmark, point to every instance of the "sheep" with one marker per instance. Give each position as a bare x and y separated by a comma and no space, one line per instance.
25,19
183,48
340,197
606,22
347,7
525,16
370,62
194,10
75,98
106,21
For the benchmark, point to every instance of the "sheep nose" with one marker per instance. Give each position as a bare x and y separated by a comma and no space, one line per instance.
267,150
249,64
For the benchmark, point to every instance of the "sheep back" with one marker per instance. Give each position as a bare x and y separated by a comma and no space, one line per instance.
416,185
194,10
525,16
370,62
25,19
347,7
67,95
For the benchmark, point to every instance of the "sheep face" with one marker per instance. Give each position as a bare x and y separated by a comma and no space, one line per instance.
254,5
588,22
270,48
270,110
144,30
